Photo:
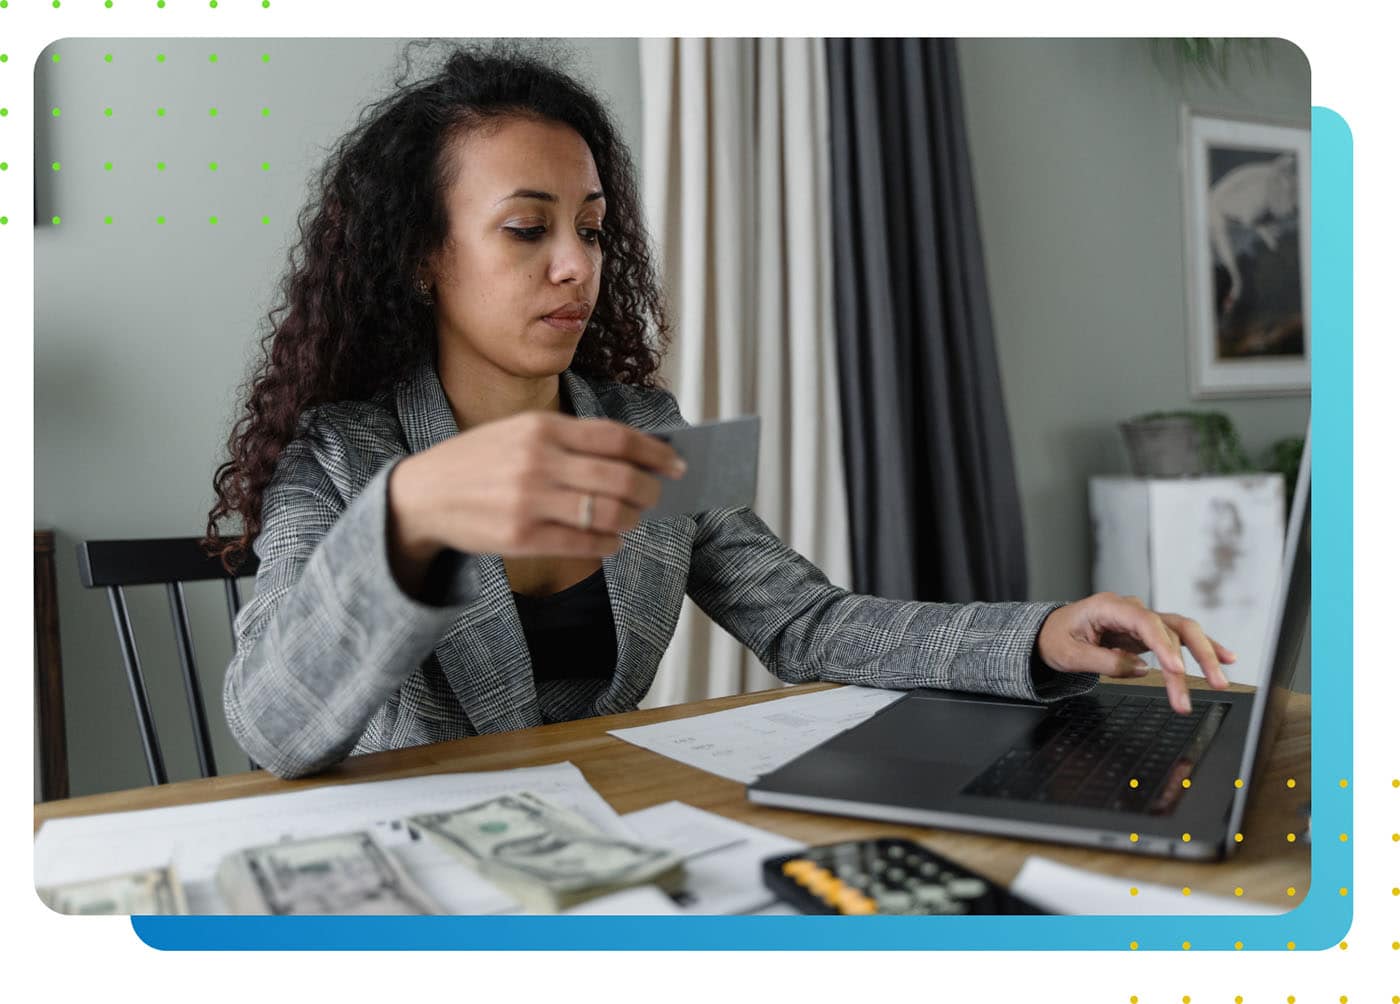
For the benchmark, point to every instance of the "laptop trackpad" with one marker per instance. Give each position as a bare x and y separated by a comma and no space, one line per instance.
950,732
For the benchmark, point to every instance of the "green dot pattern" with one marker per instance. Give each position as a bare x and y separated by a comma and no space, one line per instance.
160,3
160,113
4,220
4,166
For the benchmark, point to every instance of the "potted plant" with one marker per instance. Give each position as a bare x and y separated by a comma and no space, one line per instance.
1170,444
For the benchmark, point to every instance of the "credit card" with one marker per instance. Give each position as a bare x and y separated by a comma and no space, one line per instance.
721,467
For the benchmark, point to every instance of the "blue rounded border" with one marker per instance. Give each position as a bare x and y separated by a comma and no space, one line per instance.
1319,922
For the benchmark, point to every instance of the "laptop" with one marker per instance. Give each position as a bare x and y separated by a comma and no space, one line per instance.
1061,772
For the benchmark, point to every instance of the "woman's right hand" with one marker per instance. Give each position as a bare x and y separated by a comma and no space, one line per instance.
517,486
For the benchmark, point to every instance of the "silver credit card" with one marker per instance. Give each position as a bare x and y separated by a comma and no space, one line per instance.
721,467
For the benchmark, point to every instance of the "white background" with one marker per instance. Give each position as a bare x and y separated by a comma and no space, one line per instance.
100,958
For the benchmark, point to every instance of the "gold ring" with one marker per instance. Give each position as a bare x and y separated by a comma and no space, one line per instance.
585,512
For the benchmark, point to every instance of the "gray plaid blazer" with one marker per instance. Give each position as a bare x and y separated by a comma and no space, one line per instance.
333,659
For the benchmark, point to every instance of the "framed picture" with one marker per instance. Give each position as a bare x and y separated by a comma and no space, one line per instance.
1246,193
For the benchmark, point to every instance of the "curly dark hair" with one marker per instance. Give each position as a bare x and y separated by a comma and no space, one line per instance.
350,327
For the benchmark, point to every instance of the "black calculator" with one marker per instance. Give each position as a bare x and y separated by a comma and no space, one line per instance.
885,876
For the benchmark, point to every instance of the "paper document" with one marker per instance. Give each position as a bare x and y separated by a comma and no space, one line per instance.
1060,888
193,839
744,743
723,858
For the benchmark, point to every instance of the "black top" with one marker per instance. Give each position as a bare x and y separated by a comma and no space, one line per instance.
570,633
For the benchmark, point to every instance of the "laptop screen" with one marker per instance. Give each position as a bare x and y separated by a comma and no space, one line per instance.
1291,608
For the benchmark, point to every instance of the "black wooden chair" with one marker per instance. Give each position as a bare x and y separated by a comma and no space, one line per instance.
115,564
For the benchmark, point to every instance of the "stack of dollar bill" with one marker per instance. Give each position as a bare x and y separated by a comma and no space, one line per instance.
348,873
545,856
147,892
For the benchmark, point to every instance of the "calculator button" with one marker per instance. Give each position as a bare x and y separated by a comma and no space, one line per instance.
863,905
967,888
895,875
932,895
896,851
895,900
928,870
798,866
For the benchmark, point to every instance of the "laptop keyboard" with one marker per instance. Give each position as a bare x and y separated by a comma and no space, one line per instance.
1087,750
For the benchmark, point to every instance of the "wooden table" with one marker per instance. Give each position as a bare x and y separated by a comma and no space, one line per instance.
632,778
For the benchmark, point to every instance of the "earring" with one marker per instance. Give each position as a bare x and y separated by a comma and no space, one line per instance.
420,287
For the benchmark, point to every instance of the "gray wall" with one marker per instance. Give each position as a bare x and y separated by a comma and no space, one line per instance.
1075,159
143,330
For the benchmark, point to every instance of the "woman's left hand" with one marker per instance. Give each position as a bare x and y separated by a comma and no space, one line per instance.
1104,634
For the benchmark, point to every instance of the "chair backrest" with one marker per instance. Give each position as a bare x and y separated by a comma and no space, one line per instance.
51,732
168,561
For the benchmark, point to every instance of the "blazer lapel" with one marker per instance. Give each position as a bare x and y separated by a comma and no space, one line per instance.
645,592
483,655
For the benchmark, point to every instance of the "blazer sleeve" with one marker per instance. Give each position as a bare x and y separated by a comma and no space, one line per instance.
328,635
804,628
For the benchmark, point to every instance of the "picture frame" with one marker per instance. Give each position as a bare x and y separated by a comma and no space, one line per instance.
1246,199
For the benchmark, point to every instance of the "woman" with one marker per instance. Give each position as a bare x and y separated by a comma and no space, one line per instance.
444,464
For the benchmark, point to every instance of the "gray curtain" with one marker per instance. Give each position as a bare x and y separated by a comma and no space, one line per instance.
934,512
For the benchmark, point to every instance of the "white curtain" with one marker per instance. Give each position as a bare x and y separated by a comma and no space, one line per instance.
736,188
